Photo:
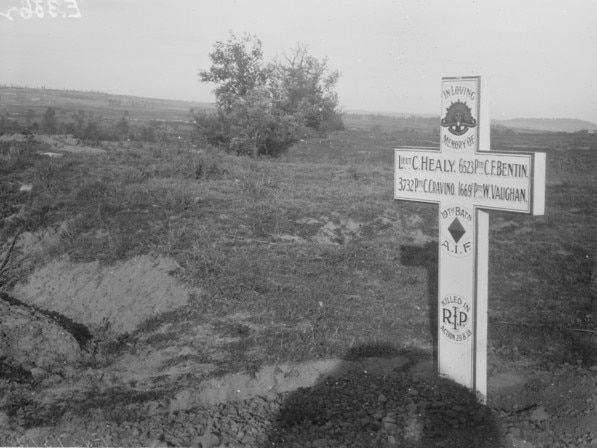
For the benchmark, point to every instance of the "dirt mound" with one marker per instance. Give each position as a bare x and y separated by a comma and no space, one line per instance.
115,298
556,407
31,339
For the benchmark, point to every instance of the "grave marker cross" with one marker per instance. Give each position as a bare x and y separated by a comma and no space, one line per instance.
464,177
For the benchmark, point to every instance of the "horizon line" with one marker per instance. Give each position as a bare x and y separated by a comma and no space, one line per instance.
347,111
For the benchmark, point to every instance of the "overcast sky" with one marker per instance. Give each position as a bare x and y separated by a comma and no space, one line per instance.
540,56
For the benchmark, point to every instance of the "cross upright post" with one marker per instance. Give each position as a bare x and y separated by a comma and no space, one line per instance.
464,178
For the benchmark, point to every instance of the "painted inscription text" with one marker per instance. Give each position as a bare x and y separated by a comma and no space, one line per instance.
484,177
455,322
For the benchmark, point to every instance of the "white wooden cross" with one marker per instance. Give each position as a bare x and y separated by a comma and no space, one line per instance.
464,177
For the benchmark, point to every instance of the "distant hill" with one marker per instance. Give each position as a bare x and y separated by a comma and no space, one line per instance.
547,124
16,100
420,121
373,113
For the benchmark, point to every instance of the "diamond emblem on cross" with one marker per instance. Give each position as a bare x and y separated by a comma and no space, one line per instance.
456,230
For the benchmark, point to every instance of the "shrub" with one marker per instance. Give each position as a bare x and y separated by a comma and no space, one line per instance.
262,109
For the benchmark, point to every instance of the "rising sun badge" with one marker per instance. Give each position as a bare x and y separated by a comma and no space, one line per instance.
458,118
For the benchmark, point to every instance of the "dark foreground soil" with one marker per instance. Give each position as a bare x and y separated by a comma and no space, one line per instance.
62,385
407,407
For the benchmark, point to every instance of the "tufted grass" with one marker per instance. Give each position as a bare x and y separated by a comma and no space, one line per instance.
312,245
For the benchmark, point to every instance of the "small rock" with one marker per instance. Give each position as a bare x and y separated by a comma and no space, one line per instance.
390,427
53,379
152,407
248,440
271,394
382,398
364,421
3,419
511,440
38,373
181,400
593,442
320,443
378,416
539,415
391,440
207,440
174,441
69,372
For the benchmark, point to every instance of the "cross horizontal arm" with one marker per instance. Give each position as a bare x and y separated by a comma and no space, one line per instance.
491,180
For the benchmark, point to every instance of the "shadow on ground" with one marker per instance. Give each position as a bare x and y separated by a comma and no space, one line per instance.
426,257
407,407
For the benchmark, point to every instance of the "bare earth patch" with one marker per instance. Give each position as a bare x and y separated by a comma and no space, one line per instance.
34,340
117,298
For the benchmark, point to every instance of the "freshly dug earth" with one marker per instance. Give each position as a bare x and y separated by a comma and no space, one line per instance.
408,407
116,298
36,340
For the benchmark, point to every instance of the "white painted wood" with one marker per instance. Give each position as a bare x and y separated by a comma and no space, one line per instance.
539,184
482,303
464,177
482,259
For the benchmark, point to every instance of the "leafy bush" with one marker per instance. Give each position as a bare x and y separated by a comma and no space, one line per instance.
262,109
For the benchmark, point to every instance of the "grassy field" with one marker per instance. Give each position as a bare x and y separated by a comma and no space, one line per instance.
312,246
